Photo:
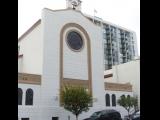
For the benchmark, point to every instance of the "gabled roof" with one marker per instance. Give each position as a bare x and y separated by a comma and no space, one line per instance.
39,21
29,30
85,15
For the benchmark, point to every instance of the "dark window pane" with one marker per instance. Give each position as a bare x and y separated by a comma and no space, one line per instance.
25,119
113,100
20,94
107,100
123,95
54,118
128,96
74,40
29,97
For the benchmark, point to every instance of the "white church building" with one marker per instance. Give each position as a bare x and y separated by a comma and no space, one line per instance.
67,47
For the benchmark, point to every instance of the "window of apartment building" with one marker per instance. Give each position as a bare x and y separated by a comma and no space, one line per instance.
107,100
25,119
104,34
113,100
20,94
29,97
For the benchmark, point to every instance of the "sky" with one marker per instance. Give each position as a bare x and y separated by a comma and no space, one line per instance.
125,13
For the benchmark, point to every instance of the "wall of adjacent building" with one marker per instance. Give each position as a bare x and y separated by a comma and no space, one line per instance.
135,44
31,46
127,73
30,111
20,63
118,94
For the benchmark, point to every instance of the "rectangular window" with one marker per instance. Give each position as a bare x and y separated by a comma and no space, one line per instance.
104,36
54,118
25,119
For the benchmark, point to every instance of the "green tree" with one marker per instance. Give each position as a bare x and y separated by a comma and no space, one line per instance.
128,103
135,103
76,99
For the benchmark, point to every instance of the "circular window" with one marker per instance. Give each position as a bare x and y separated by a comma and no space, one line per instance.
74,40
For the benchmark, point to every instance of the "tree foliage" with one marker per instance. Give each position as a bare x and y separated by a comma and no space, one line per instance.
128,103
76,99
135,103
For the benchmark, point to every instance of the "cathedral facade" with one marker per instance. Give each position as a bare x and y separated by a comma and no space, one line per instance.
68,47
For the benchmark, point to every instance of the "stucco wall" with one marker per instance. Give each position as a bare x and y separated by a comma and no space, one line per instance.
75,61
31,47
30,111
52,23
117,107
41,55
127,72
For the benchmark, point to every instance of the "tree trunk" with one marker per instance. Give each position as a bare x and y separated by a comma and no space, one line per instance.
128,115
76,117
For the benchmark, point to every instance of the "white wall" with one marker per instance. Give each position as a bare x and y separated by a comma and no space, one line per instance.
75,63
117,107
40,49
135,44
31,47
30,111
20,63
52,23
127,72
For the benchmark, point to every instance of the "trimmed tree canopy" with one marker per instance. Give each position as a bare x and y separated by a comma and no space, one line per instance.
76,99
128,103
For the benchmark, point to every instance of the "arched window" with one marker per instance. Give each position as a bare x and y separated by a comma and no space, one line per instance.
29,97
128,96
20,94
123,95
107,100
113,100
